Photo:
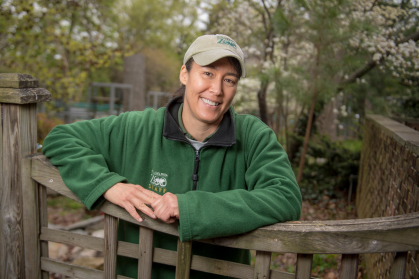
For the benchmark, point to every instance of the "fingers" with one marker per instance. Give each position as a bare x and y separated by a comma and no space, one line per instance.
166,208
131,210
145,209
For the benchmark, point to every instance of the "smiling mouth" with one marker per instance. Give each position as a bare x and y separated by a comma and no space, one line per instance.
210,102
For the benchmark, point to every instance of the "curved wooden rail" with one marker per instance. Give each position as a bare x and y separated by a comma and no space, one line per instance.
375,235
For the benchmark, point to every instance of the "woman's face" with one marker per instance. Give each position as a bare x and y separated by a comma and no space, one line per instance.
209,91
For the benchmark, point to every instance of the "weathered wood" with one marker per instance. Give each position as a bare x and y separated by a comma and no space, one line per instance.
111,246
74,271
398,269
9,80
146,253
24,95
18,206
43,223
184,256
27,138
303,268
48,175
262,265
374,235
161,256
349,266
84,223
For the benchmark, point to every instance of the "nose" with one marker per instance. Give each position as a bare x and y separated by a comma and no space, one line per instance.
216,87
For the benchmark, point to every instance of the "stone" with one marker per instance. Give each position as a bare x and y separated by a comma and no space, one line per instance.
92,262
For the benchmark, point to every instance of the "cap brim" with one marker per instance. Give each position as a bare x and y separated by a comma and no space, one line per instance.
207,57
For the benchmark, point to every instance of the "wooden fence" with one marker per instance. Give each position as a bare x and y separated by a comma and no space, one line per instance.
24,237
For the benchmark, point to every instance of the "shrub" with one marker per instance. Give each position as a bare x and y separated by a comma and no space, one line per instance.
328,167
45,125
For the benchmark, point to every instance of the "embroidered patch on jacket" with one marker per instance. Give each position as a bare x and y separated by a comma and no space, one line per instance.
158,182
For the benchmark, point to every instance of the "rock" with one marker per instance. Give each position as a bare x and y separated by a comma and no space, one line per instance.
88,253
92,262
330,275
57,250
99,233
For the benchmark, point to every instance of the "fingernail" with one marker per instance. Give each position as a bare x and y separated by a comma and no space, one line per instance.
154,216
140,219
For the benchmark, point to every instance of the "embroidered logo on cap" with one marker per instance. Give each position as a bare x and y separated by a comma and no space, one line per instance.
226,41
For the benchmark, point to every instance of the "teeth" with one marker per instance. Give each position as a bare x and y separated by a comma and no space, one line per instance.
210,102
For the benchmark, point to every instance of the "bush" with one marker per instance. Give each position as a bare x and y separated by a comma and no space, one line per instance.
45,125
328,167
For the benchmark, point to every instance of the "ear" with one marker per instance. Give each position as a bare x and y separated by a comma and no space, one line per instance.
184,75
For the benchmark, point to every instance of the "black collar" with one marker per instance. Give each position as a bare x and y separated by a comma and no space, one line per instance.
225,135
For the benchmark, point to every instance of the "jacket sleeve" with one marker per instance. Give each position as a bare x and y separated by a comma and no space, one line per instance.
271,195
87,154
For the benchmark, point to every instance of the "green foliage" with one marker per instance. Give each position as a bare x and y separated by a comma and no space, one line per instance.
329,165
45,125
59,42
324,262
65,203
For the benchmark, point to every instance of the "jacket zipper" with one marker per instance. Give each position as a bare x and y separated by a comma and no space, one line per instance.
195,170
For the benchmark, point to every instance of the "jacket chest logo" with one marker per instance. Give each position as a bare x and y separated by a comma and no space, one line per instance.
158,181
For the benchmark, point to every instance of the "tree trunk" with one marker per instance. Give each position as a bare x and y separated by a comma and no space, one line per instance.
307,136
310,117
263,107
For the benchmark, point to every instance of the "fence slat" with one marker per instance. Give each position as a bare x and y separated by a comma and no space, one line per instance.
184,255
304,263
398,269
262,265
145,261
72,270
111,246
349,269
43,223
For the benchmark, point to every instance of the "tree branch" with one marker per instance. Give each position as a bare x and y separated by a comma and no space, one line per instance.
371,64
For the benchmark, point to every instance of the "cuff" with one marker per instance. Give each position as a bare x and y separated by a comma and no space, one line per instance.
95,199
184,228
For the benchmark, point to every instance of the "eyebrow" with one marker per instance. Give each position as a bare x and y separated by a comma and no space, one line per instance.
230,74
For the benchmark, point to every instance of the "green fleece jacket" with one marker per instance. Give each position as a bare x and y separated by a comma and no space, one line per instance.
241,180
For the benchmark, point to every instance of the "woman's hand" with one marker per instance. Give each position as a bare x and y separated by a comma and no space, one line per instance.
130,197
166,208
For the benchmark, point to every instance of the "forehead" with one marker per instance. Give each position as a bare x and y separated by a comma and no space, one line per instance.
223,64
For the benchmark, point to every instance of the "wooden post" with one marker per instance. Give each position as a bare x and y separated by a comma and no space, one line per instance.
19,221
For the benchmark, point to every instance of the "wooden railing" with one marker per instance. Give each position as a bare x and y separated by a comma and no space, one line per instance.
349,237
25,234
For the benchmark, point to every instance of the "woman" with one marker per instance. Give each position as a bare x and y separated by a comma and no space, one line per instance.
196,161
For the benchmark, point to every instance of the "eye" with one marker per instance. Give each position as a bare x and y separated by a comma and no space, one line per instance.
208,74
231,81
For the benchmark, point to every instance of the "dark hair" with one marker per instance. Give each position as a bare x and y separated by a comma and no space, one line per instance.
233,61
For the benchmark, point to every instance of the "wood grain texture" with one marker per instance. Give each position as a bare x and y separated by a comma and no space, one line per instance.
24,95
262,265
48,175
303,268
184,256
111,246
12,262
373,235
162,256
43,224
349,266
27,143
11,80
398,269
73,271
145,246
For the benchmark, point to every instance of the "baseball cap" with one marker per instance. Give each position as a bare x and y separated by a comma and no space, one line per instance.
210,48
